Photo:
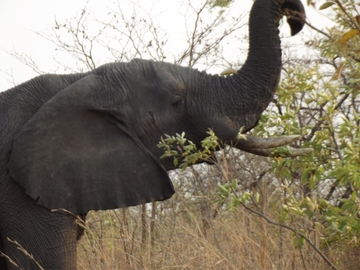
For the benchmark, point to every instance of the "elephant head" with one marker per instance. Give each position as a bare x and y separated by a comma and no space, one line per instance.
92,145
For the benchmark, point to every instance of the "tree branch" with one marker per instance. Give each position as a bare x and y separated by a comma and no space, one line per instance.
322,255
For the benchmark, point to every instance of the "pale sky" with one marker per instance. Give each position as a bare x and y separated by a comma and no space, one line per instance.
19,19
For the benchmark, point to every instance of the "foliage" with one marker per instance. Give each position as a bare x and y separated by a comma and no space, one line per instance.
320,99
220,3
178,147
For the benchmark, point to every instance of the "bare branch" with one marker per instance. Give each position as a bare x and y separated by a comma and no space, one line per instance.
26,60
307,239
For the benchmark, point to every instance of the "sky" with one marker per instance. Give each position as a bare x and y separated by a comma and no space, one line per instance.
20,19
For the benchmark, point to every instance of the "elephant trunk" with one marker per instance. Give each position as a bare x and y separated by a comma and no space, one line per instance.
244,96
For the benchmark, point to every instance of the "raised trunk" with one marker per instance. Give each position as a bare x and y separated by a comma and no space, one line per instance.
243,97
261,72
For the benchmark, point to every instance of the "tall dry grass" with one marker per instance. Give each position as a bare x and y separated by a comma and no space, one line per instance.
234,240
193,230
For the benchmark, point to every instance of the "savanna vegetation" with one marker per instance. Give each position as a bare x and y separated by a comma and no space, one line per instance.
243,211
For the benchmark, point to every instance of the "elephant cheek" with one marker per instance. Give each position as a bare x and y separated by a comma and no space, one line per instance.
225,128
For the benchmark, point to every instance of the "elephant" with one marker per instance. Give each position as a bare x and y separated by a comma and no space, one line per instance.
88,141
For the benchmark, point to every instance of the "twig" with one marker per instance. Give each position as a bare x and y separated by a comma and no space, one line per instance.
2,254
322,255
318,30
19,247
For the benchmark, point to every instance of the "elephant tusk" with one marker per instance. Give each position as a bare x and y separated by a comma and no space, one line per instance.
268,146
254,142
272,152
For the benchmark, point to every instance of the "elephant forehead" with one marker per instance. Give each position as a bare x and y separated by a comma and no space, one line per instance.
160,73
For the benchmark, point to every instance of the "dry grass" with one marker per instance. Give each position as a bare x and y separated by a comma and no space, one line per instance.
195,232
235,240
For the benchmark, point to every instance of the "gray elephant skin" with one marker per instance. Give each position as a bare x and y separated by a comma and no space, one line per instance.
87,141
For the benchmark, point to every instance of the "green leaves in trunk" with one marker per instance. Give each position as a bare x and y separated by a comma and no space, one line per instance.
185,151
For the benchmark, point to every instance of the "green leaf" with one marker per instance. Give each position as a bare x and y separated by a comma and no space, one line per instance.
234,183
222,189
299,241
257,197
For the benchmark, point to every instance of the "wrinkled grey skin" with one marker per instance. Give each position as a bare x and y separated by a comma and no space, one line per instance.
88,141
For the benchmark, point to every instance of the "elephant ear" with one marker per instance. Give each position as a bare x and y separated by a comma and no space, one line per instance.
69,155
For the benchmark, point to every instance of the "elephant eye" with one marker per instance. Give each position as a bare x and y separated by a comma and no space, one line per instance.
178,103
